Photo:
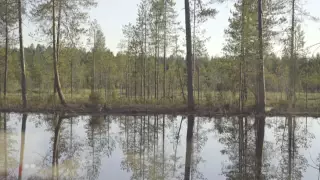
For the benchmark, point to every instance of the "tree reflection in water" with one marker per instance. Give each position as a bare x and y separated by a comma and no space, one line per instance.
153,147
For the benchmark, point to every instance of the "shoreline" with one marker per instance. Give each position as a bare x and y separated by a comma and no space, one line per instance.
140,110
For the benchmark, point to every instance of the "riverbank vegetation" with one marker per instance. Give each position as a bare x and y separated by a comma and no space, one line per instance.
150,68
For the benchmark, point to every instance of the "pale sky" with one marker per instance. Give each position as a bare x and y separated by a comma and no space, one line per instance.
113,14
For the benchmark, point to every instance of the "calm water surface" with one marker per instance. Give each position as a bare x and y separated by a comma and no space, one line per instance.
154,147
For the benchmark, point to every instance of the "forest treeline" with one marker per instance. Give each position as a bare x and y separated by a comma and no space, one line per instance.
118,76
151,66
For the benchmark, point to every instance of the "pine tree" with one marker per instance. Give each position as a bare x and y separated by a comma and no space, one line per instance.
242,40
70,14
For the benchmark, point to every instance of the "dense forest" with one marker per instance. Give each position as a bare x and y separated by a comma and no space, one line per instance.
157,65
164,63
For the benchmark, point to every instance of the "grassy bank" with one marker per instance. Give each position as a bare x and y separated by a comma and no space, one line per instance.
114,102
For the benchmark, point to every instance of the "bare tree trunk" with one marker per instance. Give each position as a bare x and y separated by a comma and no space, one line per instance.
189,56
55,66
22,61
194,38
145,58
165,49
157,64
6,56
194,59
22,143
58,43
260,69
292,69
242,56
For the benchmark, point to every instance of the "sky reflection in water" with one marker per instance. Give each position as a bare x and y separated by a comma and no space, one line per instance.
119,147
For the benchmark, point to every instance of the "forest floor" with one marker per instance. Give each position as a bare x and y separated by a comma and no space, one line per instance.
225,105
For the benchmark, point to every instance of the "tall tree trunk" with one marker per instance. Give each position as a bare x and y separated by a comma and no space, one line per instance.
261,101
292,69
6,56
194,38
157,64
189,147
195,68
22,61
189,56
145,58
22,143
165,49
55,66
58,42
242,58
260,123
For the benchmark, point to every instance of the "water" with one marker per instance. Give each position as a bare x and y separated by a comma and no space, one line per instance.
120,147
